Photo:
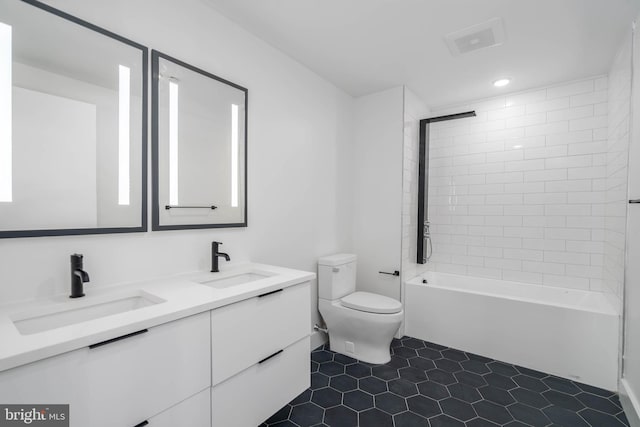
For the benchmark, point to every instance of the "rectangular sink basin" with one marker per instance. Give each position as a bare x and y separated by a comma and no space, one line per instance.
236,279
28,324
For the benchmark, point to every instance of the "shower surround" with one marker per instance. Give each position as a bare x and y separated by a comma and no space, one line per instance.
519,192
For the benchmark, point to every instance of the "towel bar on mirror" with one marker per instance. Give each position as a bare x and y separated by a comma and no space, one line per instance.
167,207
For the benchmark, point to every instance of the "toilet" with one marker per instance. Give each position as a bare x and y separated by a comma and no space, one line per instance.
360,324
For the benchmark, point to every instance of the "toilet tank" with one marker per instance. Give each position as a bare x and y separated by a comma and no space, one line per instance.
336,276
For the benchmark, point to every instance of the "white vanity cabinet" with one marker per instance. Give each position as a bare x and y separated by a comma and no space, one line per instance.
260,355
250,397
121,382
248,331
193,412
232,366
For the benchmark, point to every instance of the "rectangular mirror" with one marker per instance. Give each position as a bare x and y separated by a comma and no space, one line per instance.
199,144
72,125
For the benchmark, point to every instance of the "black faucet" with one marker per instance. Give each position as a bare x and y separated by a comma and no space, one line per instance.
78,276
214,256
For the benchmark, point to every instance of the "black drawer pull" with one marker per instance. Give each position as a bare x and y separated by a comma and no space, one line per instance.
270,293
132,334
634,201
269,357
144,423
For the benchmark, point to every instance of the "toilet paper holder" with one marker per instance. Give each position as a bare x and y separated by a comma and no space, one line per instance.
395,273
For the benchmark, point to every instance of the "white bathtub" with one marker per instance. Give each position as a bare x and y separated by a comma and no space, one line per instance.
566,332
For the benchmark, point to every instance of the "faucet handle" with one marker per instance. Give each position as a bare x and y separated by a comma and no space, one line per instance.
76,260
218,243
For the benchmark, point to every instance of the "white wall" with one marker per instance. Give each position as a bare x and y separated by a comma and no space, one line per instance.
517,193
299,137
377,212
386,188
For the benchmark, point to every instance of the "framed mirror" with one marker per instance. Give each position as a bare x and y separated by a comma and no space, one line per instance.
199,148
72,125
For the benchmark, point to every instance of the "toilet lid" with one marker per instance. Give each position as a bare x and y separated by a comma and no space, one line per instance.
371,303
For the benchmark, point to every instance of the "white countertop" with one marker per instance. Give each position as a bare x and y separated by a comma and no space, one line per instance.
183,296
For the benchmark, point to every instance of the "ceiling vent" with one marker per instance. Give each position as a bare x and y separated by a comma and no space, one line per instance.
476,37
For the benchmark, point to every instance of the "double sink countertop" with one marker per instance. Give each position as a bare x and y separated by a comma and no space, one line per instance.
34,330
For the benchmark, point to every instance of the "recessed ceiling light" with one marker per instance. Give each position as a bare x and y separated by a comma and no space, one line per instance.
501,82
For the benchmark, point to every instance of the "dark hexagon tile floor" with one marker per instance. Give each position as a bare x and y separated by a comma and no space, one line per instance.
429,385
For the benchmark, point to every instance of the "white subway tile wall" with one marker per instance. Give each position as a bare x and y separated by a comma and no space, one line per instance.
615,184
521,191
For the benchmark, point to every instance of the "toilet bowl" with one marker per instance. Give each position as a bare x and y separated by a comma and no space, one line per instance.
360,324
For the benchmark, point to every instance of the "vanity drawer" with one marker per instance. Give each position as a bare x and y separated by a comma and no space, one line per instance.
193,412
248,331
148,373
56,380
121,382
250,397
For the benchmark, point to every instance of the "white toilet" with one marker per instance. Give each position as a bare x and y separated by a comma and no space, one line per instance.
360,324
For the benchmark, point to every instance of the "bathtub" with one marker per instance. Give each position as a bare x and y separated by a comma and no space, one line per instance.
566,332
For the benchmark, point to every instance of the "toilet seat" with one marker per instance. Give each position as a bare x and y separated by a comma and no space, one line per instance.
371,303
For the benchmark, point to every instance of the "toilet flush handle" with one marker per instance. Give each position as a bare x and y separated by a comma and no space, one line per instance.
336,269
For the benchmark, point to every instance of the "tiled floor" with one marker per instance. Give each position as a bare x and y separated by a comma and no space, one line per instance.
425,384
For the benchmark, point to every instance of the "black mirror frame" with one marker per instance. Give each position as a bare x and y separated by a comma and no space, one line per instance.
155,64
144,139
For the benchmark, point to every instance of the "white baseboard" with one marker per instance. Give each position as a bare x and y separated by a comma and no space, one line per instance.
317,339
630,404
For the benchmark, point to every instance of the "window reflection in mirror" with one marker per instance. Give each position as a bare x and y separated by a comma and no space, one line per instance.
199,147
72,125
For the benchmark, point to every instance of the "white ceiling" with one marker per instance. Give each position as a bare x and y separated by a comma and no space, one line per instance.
364,46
